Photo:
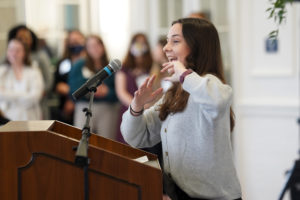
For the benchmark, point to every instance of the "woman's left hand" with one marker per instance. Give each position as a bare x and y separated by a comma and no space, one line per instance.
145,94
174,69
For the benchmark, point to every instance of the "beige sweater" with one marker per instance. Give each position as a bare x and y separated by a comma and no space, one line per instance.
196,142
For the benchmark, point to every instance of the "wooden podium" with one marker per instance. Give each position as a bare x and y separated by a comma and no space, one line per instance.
37,162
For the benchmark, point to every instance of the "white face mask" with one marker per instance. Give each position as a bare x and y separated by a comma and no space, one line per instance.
138,49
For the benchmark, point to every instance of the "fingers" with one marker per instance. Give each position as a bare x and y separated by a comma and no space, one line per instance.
151,81
148,82
174,69
167,66
144,85
157,92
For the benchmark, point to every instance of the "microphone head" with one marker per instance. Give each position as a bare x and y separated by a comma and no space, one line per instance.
115,64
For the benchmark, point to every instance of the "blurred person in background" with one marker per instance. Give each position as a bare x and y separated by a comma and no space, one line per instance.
21,85
199,14
135,68
40,60
73,51
105,107
159,57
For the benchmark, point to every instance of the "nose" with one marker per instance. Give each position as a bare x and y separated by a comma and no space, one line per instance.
166,47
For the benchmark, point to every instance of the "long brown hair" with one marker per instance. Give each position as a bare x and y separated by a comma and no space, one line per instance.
129,61
205,58
103,59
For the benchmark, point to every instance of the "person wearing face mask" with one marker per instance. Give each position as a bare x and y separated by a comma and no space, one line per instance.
193,119
73,51
136,67
105,106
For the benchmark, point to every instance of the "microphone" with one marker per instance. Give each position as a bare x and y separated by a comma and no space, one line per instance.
113,66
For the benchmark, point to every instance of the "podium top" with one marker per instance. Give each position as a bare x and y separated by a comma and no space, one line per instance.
62,130
14,126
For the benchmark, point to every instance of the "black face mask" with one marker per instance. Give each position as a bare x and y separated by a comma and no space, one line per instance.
75,50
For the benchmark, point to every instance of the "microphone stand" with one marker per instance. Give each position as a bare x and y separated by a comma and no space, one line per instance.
81,158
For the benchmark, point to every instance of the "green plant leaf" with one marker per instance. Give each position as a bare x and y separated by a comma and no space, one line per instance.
268,9
278,12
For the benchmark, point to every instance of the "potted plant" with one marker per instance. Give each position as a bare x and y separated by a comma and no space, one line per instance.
277,11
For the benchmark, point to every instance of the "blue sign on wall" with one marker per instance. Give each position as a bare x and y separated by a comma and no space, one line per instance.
271,45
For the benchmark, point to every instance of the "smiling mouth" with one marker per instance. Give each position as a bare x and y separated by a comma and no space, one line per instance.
171,59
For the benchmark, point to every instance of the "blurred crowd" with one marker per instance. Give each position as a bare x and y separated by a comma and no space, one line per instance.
35,85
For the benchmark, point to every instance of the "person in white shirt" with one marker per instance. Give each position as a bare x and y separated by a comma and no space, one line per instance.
193,120
21,86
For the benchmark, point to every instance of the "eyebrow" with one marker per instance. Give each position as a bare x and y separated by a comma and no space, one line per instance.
175,35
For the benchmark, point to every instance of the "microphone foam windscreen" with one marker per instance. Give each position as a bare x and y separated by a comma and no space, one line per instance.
115,64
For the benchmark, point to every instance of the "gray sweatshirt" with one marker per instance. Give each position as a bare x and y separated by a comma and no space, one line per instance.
196,142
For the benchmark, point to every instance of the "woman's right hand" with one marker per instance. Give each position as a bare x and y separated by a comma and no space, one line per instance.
62,88
102,91
145,94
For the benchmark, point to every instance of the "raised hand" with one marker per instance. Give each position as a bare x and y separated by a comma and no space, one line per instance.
174,69
145,94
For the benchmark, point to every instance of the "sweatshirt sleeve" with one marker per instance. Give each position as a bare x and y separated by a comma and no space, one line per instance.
212,95
144,130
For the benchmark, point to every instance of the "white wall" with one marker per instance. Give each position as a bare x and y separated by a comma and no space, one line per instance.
119,20
266,98
114,26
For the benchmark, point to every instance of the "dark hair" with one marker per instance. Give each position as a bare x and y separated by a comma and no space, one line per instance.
103,59
26,60
12,34
129,61
205,58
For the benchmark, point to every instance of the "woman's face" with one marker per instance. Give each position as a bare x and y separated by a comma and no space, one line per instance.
76,38
25,36
94,48
176,47
15,52
139,47
75,44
